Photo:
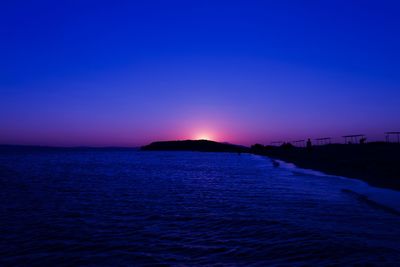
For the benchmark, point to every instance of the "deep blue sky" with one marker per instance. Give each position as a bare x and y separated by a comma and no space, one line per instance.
129,72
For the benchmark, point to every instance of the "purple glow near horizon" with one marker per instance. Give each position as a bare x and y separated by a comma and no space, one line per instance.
129,74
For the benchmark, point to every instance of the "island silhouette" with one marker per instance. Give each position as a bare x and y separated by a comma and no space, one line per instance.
195,145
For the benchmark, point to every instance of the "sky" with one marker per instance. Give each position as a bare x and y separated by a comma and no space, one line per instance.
125,73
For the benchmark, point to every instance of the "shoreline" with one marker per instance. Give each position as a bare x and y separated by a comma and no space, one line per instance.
377,164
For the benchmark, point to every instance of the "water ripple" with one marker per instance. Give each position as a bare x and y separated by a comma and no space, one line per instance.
133,208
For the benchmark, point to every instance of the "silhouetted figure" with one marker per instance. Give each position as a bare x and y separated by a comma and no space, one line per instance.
309,145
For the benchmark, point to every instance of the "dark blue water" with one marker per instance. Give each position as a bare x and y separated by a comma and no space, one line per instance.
182,208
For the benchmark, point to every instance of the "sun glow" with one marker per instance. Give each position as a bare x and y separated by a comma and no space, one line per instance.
203,136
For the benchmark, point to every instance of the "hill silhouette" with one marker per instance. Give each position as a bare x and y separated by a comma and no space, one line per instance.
194,145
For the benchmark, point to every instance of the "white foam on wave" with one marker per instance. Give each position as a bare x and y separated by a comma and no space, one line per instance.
382,196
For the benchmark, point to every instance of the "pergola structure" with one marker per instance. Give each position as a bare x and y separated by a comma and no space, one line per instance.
353,139
395,137
299,143
277,143
323,141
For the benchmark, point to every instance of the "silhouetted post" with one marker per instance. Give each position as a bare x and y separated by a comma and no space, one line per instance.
309,145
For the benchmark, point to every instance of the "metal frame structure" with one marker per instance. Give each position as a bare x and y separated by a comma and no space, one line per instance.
323,141
353,139
299,143
277,143
389,134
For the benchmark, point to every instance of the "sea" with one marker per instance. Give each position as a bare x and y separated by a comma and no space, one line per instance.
136,208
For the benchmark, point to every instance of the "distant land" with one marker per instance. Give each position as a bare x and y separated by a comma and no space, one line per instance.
194,145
